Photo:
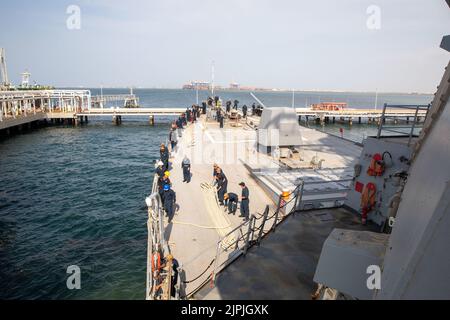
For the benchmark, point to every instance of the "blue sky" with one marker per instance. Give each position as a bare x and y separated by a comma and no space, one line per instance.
323,44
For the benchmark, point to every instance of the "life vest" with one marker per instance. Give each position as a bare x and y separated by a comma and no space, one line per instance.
156,265
376,167
368,200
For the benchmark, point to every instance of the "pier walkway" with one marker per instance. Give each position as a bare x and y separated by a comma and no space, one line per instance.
14,117
22,107
132,112
399,111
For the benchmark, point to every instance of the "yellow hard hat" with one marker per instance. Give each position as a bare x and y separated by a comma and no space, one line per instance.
167,173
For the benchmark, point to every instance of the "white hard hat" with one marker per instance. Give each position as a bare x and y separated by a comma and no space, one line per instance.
160,163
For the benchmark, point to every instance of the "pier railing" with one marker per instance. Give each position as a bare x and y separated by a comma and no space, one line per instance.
15,104
129,100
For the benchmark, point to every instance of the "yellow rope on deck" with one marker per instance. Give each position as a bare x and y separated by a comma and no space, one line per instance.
217,214
200,226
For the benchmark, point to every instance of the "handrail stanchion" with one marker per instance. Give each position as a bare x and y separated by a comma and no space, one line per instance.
413,126
263,223
381,121
213,278
298,194
247,236
237,243
253,228
276,214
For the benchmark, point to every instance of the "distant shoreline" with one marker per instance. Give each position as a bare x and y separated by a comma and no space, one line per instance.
257,90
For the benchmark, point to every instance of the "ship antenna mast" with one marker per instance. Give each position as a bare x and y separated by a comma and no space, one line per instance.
293,98
376,98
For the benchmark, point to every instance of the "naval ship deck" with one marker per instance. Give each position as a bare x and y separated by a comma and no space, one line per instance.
283,266
193,236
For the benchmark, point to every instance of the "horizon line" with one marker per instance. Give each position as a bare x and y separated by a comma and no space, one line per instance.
247,90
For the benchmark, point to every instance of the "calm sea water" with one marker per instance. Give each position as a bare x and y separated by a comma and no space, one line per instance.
75,196
184,98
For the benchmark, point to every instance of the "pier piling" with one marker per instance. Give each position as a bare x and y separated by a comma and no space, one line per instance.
117,120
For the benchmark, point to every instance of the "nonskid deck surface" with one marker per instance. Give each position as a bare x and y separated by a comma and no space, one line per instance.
193,234
283,266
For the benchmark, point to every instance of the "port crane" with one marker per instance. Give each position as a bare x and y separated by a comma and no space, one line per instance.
5,81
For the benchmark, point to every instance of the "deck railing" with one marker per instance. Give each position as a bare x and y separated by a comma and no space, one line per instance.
156,243
419,111
246,235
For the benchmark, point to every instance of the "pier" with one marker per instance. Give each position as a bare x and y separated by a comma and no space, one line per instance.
19,107
132,112
24,107
129,100
397,113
